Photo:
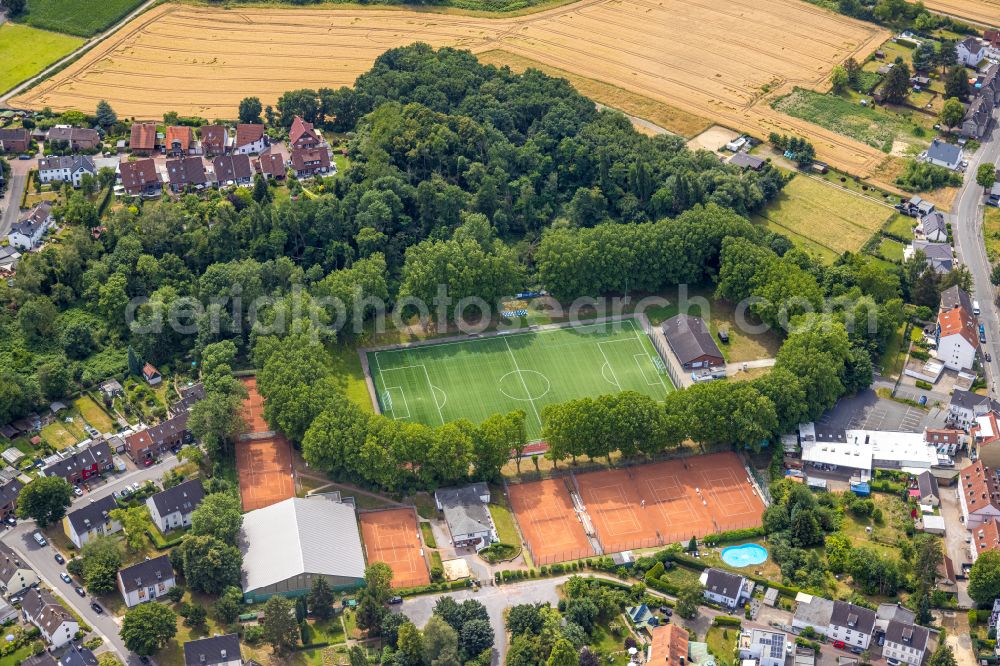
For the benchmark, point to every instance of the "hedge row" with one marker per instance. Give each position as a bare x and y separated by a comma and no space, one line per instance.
733,535
727,621
434,587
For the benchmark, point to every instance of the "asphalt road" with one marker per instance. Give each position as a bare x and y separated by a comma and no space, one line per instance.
967,223
42,559
9,203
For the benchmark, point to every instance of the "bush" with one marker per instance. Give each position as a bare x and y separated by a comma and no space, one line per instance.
921,384
733,535
499,552
924,177
253,634
727,621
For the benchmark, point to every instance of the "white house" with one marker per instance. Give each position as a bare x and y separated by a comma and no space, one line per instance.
147,580
41,609
28,233
965,407
15,574
66,169
250,139
906,643
92,520
978,496
851,624
944,154
726,589
172,507
766,647
970,52
467,514
957,339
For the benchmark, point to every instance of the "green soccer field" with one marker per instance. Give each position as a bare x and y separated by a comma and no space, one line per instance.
473,379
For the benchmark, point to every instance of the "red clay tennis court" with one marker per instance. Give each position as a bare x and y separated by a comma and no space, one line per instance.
265,470
253,408
548,521
669,502
392,536
263,459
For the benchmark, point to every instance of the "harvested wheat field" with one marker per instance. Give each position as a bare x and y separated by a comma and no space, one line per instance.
986,12
720,61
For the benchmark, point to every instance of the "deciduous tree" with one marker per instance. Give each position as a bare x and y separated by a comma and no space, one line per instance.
45,499
146,628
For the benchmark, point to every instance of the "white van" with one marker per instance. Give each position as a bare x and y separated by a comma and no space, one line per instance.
975,308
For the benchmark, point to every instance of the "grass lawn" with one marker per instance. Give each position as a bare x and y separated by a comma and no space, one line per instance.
94,414
343,163
822,219
884,537
877,127
895,354
20,654
769,569
80,17
670,118
721,314
328,631
474,379
351,624
436,561
722,643
347,371
60,434
428,534
858,186
425,505
173,653
991,232
891,250
503,519
25,51
602,640
900,226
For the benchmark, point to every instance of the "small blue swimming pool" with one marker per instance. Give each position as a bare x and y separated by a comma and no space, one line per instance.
745,555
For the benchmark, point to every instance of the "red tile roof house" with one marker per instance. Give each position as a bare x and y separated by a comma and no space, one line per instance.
272,165
233,170
157,441
250,138
979,496
14,140
214,139
180,141
310,161
186,172
302,135
83,464
151,374
143,138
139,178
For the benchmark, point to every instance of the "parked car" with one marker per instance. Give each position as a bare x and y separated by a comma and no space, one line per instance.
989,359
60,559
79,590
11,520
148,462
97,607
839,645
396,600
39,539
65,577
78,491
135,487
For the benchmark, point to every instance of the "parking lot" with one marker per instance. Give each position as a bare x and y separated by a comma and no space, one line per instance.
866,411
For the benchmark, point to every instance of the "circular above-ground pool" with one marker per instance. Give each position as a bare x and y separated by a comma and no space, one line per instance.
744,556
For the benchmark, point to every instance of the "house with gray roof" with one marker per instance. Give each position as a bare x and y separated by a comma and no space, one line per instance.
27,233
15,574
91,520
78,656
287,545
691,342
852,624
747,161
812,612
941,153
955,297
172,508
213,651
927,484
66,169
146,581
467,513
933,228
726,589
886,613
41,609
966,406
905,642
939,256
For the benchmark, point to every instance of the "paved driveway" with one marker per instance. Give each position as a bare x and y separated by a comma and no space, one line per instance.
866,411
42,559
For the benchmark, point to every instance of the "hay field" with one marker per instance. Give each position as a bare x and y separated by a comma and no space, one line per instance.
720,61
986,12
823,219
25,51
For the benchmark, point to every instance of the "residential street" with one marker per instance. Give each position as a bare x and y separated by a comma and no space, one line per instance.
43,562
967,222
9,203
